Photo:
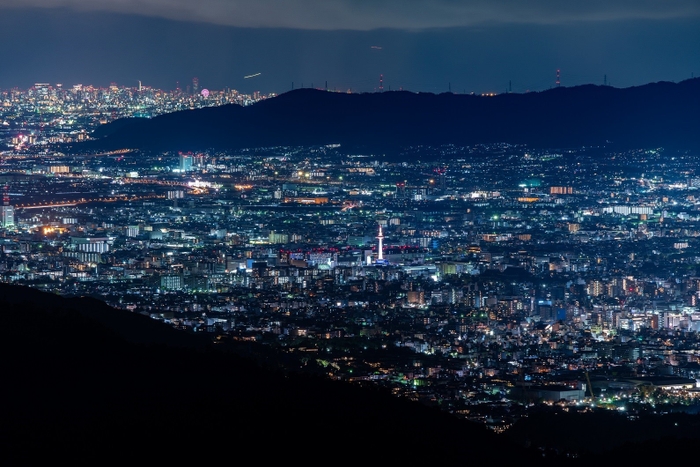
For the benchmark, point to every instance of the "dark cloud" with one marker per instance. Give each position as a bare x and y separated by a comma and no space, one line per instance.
374,14
64,46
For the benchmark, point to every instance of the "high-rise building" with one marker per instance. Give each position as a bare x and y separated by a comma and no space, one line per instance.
561,190
8,216
92,245
278,238
195,86
186,160
400,190
7,212
171,282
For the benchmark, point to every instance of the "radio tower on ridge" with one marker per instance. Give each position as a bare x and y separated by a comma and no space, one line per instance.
558,82
381,83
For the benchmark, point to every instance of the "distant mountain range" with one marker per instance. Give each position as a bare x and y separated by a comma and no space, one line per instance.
654,115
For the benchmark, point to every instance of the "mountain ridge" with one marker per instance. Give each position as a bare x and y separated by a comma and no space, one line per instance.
659,114
85,381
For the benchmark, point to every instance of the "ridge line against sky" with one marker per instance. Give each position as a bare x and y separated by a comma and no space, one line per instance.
373,14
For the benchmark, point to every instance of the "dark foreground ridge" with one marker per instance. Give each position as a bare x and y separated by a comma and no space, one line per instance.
654,115
87,382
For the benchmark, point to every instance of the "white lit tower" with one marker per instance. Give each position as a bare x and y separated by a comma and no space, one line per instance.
380,250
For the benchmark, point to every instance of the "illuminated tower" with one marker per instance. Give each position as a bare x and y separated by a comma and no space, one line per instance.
380,250
381,83
558,82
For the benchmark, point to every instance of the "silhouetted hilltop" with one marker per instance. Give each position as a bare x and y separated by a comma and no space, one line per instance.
611,435
84,382
654,115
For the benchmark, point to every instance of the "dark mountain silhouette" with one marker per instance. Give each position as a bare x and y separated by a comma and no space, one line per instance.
607,434
84,382
655,115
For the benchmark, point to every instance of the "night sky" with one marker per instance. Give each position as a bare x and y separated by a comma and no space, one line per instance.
479,45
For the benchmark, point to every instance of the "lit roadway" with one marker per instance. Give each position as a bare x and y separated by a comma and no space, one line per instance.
58,204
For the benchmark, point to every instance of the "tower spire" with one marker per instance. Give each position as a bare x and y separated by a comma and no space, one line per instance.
380,237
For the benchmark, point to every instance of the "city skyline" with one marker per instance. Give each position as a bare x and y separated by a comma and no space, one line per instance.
500,265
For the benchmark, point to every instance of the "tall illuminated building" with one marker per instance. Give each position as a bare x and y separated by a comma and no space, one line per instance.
380,249
186,160
7,212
